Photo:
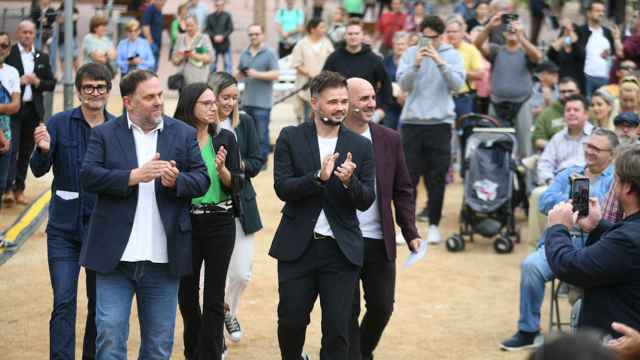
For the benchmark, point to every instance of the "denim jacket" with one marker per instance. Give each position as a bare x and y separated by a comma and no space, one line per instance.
70,206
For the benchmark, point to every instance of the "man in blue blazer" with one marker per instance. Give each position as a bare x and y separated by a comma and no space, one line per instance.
145,168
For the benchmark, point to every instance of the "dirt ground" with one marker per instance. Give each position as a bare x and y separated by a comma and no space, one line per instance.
448,306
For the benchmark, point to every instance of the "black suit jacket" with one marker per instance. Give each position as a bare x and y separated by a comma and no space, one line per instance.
41,68
110,157
296,162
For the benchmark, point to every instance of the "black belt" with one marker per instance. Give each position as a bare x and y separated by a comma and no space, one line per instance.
219,208
321,237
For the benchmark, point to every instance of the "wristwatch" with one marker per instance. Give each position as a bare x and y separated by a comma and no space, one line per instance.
317,177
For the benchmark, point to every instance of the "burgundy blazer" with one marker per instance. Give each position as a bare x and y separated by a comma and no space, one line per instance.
393,184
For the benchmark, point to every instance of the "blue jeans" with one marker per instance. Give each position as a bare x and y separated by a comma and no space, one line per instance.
593,83
155,50
63,252
226,58
464,104
535,274
156,290
261,117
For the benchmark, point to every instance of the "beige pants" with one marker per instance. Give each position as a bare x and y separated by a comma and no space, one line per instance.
537,220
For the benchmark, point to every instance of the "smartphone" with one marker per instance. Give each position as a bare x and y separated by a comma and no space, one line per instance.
580,195
509,18
423,41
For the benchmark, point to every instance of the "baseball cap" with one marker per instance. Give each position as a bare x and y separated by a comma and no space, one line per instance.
628,117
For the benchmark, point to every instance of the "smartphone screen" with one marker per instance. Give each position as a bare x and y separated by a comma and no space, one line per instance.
580,195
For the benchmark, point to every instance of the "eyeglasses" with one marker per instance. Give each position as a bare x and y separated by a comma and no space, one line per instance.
594,148
208,104
98,89
5,46
254,34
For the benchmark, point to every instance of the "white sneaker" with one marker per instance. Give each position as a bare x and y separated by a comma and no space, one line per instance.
433,235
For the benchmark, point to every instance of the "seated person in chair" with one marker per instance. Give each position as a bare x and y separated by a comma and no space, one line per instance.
598,153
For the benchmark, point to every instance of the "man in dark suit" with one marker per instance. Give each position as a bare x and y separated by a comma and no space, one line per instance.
145,168
35,77
378,273
608,266
318,243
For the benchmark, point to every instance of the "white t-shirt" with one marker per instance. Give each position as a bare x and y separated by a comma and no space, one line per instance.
370,221
595,64
10,78
148,240
327,147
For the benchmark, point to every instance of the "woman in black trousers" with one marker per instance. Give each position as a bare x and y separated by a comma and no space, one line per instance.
243,126
212,218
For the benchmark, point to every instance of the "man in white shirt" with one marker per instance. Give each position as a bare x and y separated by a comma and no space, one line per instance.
35,78
598,45
145,168
392,184
9,105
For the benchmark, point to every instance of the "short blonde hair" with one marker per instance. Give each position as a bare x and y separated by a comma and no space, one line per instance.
132,24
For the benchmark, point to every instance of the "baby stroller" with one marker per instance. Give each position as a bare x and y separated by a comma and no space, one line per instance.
491,183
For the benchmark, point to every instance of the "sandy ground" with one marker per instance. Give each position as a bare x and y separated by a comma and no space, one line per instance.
449,306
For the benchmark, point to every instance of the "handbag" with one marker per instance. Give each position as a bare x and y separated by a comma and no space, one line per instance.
176,81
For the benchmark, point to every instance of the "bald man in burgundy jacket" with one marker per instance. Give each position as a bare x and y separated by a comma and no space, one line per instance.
392,184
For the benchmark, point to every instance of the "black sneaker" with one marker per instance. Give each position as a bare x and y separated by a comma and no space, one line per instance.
423,215
520,341
233,326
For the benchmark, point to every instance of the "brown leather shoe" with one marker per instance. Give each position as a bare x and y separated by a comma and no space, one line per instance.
20,198
8,198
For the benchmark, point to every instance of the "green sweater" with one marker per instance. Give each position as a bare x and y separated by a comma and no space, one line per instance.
215,194
549,122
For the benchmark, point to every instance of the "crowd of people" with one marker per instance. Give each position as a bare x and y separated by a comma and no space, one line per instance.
162,207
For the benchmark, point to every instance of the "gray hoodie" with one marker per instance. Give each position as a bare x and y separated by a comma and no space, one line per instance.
430,87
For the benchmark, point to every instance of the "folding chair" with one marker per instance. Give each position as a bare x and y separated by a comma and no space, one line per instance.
554,311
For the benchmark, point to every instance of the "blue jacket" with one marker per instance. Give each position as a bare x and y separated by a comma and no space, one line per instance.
110,157
559,189
140,47
608,270
71,205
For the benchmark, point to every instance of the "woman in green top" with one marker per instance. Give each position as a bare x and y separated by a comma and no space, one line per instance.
212,216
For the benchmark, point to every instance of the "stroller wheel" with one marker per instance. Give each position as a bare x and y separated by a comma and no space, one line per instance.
455,243
503,244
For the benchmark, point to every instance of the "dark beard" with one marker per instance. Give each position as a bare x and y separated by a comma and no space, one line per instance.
327,120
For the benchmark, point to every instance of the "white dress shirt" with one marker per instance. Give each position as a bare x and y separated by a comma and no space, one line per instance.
327,147
148,240
370,220
28,64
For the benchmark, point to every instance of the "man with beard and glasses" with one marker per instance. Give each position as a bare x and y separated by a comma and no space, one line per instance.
144,168
61,145
323,172
392,184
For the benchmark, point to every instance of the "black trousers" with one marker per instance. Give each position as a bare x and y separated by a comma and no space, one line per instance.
23,124
213,240
427,150
322,270
378,276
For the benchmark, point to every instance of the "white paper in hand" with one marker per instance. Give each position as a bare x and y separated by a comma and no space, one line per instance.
417,256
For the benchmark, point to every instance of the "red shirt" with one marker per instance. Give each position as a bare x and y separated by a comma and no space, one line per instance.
388,24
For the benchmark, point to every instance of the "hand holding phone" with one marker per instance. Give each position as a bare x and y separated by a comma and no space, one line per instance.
580,195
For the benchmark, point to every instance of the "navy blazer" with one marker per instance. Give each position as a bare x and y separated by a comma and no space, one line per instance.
111,155
70,206
608,270
393,184
296,162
